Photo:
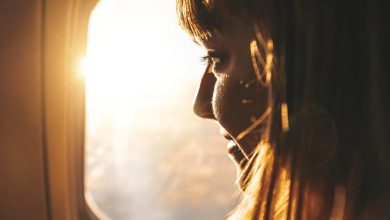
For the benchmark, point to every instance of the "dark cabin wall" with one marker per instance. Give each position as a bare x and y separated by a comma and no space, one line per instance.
42,109
22,177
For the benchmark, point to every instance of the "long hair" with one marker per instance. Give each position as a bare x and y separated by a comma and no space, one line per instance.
334,162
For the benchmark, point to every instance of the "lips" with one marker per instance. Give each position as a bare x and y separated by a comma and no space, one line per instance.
234,151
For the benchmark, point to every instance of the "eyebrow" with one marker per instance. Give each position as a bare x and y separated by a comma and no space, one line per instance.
208,44
214,53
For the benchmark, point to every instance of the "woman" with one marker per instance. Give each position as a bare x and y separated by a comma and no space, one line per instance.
300,90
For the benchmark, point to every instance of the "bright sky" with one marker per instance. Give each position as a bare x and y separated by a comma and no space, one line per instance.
141,72
136,50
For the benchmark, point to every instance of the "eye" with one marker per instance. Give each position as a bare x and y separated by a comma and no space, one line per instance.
207,60
215,59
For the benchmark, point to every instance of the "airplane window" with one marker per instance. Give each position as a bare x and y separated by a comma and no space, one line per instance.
147,155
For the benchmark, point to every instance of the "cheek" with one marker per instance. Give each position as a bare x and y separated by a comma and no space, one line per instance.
233,114
228,107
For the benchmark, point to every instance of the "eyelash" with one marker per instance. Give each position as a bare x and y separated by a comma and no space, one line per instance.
211,59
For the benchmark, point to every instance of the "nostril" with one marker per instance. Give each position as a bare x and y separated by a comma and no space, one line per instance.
204,110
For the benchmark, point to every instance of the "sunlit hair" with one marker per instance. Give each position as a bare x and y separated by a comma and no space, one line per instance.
333,163
194,17
201,18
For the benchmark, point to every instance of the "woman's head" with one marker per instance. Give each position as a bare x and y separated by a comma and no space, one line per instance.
328,67
229,91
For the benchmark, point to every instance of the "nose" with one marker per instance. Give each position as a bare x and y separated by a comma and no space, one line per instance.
203,99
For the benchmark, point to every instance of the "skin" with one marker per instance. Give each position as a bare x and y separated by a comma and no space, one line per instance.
221,91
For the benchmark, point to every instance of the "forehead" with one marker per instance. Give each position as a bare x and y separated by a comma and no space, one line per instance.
236,33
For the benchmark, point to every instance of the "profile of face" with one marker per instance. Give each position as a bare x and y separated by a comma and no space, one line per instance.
228,92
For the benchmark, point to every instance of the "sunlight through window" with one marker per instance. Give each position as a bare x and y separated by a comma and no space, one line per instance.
148,155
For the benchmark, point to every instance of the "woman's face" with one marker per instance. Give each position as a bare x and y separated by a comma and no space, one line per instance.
228,92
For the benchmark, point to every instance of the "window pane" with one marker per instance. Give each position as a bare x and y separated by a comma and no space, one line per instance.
148,155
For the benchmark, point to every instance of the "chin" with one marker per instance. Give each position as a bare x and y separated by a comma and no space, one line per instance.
239,159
